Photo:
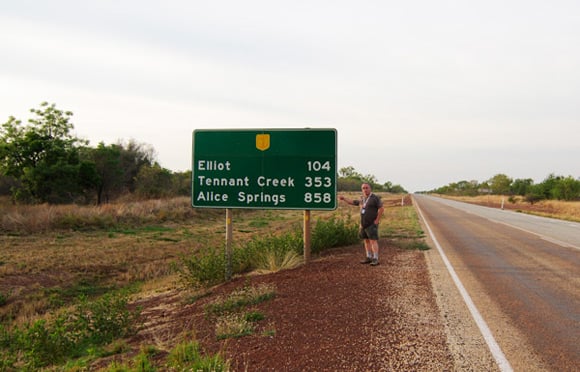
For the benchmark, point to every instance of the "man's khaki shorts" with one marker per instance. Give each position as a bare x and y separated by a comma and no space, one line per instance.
371,232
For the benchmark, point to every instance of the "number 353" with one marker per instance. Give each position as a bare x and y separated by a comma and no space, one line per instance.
318,182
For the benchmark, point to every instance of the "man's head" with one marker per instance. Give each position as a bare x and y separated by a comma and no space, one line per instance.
366,188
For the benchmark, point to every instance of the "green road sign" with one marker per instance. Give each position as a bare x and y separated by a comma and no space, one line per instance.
264,169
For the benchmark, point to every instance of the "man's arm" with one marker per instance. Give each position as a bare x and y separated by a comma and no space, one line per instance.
347,200
379,215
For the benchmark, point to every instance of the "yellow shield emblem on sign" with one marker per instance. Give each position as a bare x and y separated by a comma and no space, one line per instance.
262,142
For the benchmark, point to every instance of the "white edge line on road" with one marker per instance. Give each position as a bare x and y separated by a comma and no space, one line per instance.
541,236
498,355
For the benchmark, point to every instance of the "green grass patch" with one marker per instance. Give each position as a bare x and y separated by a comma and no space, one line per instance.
207,267
411,244
254,316
142,230
187,356
83,288
259,222
69,334
246,296
231,321
401,223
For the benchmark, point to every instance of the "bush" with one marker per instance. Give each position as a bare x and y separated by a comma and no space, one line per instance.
186,356
333,233
259,253
105,319
43,343
69,334
207,268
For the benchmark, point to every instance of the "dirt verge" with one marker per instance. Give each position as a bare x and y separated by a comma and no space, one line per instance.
333,314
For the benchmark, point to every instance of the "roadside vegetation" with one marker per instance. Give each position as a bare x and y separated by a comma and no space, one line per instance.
553,187
81,224
70,275
555,197
87,232
559,209
42,161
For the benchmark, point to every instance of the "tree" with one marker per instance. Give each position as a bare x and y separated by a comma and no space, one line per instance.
371,180
395,189
547,187
500,184
154,182
6,184
42,156
349,172
107,163
181,183
134,155
535,193
566,189
349,179
521,186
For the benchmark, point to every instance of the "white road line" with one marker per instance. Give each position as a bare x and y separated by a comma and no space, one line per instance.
541,236
462,207
498,355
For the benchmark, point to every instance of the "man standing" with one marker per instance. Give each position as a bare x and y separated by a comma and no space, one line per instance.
371,211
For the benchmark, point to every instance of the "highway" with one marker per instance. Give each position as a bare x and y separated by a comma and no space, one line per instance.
522,275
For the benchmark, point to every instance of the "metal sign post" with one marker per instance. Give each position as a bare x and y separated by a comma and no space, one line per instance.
229,240
307,234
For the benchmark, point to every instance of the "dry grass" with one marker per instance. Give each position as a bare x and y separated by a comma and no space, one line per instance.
565,210
30,219
272,263
51,254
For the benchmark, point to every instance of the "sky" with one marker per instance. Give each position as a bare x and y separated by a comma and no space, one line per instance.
422,93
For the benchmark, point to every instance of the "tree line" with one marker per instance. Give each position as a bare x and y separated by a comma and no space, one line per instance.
552,187
43,162
350,180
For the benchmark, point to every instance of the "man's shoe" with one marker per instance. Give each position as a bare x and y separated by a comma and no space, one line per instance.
366,261
374,262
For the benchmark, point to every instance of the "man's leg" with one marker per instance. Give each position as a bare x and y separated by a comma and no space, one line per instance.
375,251
368,251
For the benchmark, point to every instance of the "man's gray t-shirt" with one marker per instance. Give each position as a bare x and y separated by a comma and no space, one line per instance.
369,209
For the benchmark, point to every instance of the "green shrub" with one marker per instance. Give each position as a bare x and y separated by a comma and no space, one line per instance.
204,269
265,252
252,255
182,355
186,356
142,362
333,233
254,316
43,343
7,361
70,334
105,319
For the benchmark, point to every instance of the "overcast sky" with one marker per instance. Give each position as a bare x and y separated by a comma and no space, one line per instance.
422,93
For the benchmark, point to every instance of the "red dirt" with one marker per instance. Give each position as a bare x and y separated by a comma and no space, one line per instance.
333,314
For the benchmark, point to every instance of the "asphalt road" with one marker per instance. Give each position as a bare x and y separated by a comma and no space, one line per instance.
522,274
